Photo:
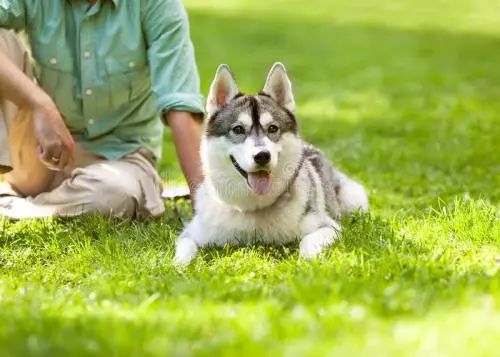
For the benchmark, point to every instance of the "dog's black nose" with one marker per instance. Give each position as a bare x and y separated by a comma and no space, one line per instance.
262,158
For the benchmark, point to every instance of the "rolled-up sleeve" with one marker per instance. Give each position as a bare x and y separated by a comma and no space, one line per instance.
12,14
174,76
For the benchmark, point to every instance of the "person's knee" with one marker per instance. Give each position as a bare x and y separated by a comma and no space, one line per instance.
115,197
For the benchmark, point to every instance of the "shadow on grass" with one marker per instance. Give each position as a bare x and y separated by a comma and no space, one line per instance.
362,232
387,273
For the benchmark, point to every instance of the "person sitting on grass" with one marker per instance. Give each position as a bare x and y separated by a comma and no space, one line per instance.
85,136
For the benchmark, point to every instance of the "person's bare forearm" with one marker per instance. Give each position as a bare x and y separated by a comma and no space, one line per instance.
18,88
186,128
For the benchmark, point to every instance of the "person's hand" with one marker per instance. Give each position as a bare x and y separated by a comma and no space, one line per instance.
56,144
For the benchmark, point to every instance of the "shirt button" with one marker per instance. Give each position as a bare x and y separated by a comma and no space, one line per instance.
53,61
131,64
91,121
89,92
87,54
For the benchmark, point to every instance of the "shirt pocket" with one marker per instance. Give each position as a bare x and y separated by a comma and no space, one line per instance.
50,63
128,78
54,71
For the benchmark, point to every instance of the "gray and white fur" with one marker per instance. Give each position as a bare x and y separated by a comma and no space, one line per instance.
263,183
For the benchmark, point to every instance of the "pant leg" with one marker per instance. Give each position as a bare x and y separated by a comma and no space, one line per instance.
18,54
130,187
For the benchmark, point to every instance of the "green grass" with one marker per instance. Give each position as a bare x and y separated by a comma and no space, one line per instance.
401,95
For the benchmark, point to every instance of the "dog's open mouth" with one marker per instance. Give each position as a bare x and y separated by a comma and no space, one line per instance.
258,181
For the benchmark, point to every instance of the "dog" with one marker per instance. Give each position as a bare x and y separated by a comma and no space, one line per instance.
262,182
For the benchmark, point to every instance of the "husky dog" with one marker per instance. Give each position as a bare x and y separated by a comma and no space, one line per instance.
262,181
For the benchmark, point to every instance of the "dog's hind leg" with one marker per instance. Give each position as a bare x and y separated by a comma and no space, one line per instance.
342,194
351,196
314,243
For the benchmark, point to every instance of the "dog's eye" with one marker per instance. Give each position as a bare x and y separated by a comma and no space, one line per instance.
272,129
239,130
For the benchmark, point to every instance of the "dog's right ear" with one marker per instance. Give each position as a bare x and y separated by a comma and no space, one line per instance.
223,89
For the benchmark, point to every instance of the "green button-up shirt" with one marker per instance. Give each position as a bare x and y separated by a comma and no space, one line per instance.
112,67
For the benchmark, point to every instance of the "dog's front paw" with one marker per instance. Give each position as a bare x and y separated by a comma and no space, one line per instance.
310,246
185,251
313,244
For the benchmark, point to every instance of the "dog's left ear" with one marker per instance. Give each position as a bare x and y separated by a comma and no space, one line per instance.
279,87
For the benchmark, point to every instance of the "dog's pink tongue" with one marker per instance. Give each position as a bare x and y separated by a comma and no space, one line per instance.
259,182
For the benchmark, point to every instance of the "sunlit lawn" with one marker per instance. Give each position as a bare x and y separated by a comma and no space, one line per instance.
402,95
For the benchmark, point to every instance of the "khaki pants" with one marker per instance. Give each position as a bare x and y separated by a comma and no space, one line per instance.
121,188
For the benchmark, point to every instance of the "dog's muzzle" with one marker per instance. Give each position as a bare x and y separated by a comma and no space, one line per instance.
259,182
238,167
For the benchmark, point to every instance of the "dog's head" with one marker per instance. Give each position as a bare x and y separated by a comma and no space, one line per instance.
251,148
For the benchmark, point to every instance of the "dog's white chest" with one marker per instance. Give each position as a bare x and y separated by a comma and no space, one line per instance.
219,223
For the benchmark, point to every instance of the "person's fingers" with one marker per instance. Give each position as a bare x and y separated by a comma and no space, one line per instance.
70,161
71,141
55,139
71,151
63,160
68,142
67,138
52,155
